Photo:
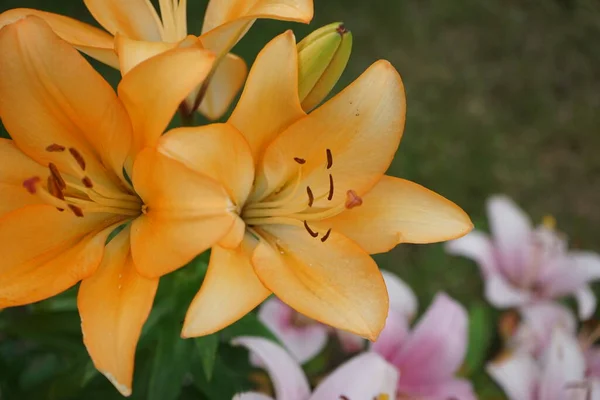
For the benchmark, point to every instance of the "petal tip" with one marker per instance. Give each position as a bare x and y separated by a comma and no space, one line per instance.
125,390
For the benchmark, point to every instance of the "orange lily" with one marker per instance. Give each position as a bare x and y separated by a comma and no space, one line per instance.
141,34
64,186
311,197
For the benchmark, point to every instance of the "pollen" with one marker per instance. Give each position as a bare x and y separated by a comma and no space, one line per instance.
330,195
60,182
55,148
300,160
352,199
326,236
76,210
310,231
78,158
311,197
329,159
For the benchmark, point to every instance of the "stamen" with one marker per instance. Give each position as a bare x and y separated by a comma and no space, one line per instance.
311,198
87,182
78,157
310,231
342,397
57,176
352,199
324,238
55,148
300,160
330,196
76,210
31,183
54,189
329,159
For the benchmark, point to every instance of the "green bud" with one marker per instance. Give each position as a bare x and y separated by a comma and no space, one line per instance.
322,58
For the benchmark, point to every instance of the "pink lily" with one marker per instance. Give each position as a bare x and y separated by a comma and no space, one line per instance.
429,355
304,338
522,265
558,375
366,376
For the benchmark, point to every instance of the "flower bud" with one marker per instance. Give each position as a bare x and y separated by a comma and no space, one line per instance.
322,57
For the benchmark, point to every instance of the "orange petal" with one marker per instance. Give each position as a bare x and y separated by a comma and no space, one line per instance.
131,52
45,252
228,78
16,168
153,90
399,211
186,214
334,282
89,39
218,151
136,19
230,290
270,101
114,304
361,127
49,95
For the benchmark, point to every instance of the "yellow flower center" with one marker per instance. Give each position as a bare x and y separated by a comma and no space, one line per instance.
79,193
296,208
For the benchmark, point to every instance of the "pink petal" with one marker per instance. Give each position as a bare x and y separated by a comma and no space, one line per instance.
303,342
511,232
586,302
362,377
592,362
350,342
402,298
252,396
563,363
287,376
436,347
478,247
517,374
502,294
460,389
392,337
576,269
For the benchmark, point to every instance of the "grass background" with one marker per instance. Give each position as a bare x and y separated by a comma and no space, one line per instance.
503,97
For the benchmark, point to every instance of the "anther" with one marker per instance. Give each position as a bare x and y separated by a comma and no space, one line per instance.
329,159
326,236
60,182
311,197
352,199
342,397
54,189
310,231
78,157
31,184
87,182
55,148
300,160
330,196
76,210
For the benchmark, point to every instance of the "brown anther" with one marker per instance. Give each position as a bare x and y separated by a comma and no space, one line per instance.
342,397
87,182
31,184
300,160
311,197
76,210
310,231
326,236
329,159
330,195
54,189
341,29
352,199
55,148
78,157
60,182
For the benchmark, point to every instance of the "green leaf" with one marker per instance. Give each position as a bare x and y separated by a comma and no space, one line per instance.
481,334
225,383
206,348
249,325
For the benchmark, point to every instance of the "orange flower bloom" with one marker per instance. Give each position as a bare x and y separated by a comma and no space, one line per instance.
141,34
311,196
64,186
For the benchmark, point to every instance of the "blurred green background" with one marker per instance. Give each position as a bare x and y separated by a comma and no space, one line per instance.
503,97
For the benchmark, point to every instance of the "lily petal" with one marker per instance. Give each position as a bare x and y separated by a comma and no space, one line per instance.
517,374
269,102
150,103
400,211
50,95
229,291
334,282
502,294
393,336
132,52
287,376
186,214
350,342
435,348
303,342
87,38
586,302
45,252
578,268
114,303
478,247
252,396
136,19
454,389
402,298
365,376
361,127
16,168
225,83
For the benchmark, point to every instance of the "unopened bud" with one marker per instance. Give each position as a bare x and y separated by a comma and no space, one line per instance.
322,58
